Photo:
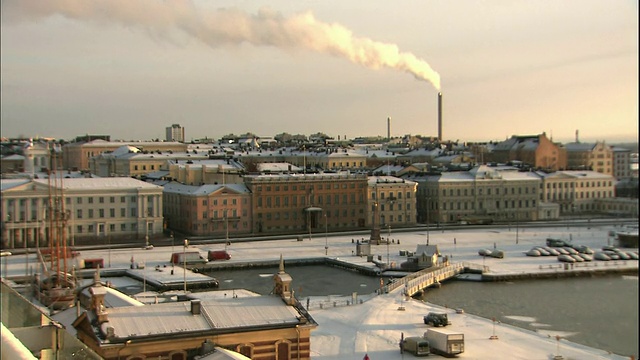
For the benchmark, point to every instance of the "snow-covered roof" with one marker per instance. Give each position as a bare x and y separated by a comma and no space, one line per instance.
578,146
221,314
6,184
178,188
101,183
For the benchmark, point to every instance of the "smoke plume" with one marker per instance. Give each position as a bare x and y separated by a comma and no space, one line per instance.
230,26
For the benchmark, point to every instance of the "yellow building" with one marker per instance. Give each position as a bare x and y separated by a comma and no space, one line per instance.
76,155
98,210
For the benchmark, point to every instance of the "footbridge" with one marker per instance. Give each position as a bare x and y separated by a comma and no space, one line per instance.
416,282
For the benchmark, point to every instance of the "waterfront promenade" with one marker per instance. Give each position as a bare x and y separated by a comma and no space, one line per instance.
374,326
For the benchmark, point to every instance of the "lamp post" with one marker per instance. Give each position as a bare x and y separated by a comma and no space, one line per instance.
226,220
388,239
326,241
184,264
173,263
427,220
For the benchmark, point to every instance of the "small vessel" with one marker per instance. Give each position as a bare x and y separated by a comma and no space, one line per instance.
586,257
533,252
566,258
599,255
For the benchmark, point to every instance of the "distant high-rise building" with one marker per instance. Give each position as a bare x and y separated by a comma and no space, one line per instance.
175,132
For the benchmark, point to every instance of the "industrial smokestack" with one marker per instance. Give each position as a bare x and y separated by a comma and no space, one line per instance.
388,128
440,117
577,140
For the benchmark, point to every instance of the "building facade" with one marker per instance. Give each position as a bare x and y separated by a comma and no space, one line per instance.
211,210
597,156
292,203
175,132
391,203
76,155
97,211
535,151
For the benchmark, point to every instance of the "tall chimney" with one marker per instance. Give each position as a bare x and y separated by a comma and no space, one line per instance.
577,140
440,117
388,128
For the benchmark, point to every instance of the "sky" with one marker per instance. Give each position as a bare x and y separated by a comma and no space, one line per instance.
131,69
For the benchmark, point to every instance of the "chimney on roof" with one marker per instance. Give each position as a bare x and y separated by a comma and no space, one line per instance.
195,307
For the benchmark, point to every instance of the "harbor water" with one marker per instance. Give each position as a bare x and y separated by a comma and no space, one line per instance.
600,312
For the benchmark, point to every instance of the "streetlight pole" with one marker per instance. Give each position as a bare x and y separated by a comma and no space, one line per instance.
326,241
184,264
427,220
226,219
388,239
173,263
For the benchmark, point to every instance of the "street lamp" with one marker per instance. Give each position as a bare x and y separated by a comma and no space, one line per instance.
427,220
226,219
184,263
388,237
173,263
326,241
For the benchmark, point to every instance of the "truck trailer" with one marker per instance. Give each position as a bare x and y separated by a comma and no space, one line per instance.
416,345
444,341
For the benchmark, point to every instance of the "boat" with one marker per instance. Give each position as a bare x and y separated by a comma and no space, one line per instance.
533,252
566,258
600,255
56,287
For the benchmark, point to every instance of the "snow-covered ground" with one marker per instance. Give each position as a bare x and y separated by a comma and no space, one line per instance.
374,327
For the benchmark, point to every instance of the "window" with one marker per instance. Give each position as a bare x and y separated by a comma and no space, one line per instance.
112,213
90,200
79,200
79,214
101,213
101,200
112,199
123,212
90,213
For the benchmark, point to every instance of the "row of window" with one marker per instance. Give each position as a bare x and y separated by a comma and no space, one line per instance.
327,186
80,200
286,201
470,205
489,191
398,196
295,215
